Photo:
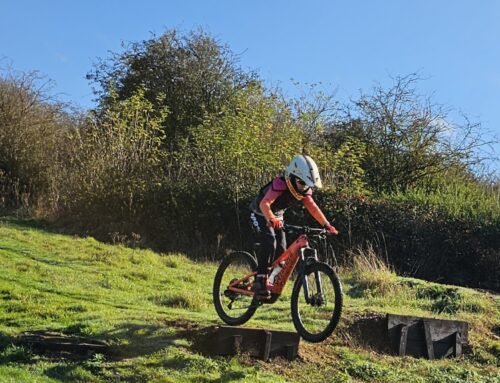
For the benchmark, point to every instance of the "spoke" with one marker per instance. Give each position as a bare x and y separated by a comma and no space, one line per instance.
317,314
235,303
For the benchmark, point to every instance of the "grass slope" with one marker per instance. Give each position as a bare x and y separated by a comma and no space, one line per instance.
146,307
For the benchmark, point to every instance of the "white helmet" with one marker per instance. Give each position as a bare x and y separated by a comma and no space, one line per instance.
305,168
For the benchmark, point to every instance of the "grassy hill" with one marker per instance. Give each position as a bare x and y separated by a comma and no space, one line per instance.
147,308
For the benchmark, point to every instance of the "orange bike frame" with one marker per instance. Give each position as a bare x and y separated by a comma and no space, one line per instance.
290,257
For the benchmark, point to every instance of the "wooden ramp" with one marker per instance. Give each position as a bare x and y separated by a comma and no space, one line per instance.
260,343
425,337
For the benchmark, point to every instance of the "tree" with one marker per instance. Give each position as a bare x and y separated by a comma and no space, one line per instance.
349,177
117,160
313,111
194,72
31,129
249,145
408,138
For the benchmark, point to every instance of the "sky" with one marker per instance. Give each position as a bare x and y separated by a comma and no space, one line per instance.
349,46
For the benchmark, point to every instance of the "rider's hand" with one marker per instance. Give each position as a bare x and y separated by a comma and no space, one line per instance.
276,223
331,229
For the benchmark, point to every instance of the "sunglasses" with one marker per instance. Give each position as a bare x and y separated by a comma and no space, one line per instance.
300,182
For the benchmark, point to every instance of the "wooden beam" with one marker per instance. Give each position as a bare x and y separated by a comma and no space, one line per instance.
458,344
267,345
237,340
292,350
428,339
403,340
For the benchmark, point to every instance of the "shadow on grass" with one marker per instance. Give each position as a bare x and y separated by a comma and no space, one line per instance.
26,223
10,352
105,234
83,358
131,340
127,340
112,233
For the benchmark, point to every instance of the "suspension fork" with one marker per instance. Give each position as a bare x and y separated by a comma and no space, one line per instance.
303,264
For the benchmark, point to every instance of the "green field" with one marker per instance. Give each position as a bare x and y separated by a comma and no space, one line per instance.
148,308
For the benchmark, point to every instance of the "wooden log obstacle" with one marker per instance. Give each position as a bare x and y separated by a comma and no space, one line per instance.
260,343
402,335
52,342
425,337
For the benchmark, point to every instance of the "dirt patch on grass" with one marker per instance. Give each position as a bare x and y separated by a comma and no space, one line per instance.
201,338
368,331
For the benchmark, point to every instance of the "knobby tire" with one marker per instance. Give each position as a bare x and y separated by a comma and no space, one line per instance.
218,290
334,316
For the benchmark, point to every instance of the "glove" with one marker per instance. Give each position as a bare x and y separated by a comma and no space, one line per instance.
331,229
276,223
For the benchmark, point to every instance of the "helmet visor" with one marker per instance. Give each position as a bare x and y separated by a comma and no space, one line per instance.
301,185
300,182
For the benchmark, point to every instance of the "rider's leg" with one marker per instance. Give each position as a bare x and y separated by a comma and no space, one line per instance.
280,243
267,239
267,250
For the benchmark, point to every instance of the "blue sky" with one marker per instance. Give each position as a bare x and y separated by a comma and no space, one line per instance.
348,45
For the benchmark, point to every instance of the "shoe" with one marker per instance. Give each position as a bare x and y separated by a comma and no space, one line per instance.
260,288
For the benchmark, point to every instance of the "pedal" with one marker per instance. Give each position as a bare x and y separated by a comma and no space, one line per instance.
263,298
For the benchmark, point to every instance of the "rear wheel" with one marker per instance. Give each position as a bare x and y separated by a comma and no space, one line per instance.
316,315
234,308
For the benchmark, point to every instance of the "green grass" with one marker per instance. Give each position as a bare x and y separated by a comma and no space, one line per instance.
142,304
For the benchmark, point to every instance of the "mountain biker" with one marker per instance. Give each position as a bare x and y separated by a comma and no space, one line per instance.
268,208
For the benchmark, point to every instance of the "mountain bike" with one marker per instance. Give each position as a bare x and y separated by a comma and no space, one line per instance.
316,301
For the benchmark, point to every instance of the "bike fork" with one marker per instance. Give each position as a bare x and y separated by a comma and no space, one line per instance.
305,282
319,286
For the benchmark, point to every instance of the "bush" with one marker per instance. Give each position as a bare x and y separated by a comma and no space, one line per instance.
422,239
116,164
32,128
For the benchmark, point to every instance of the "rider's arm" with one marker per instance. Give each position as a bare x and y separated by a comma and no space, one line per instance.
265,204
314,210
277,187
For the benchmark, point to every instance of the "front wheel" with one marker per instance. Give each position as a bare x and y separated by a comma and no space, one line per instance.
316,302
234,308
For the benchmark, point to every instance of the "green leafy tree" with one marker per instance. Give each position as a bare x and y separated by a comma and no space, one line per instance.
350,177
250,143
195,73
246,147
117,159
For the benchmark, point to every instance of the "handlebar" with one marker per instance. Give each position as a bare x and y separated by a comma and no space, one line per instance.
305,230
